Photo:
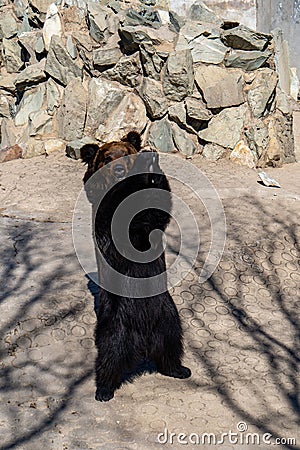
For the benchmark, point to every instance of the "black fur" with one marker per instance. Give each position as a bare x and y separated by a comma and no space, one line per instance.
132,330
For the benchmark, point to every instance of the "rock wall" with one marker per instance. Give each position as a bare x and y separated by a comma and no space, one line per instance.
75,73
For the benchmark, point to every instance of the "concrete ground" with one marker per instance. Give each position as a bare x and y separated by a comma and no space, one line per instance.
241,325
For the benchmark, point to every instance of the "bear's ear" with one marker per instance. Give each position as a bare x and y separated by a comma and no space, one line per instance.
88,152
134,138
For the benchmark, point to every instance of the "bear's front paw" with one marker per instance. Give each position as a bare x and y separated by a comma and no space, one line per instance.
103,394
179,372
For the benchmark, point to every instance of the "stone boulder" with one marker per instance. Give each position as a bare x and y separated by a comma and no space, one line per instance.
73,148
8,25
31,75
104,58
130,114
261,92
161,136
220,87
101,21
72,112
60,65
225,129
52,25
178,80
127,71
32,101
10,153
183,142
243,38
247,60
153,96
214,152
12,55
201,13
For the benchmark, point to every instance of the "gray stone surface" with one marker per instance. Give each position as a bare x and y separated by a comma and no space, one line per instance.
102,22
153,96
4,106
196,109
12,55
208,50
247,60
127,71
142,16
261,91
257,136
214,152
178,78
151,61
225,129
8,24
129,114
183,142
59,63
240,332
7,82
32,100
106,57
31,75
243,38
53,95
177,113
282,60
33,147
201,13
103,98
40,124
37,10
161,136
220,88
72,112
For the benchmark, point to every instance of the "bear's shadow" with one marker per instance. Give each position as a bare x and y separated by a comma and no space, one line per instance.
144,366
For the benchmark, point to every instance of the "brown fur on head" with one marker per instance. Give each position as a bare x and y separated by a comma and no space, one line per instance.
97,156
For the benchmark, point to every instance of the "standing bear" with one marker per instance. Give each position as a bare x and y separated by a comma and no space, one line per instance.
137,320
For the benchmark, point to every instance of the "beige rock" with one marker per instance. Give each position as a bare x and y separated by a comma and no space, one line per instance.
241,154
33,147
54,145
10,153
129,115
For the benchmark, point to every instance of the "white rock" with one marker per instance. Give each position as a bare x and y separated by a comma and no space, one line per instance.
52,25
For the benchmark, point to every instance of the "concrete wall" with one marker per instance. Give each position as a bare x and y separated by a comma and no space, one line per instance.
284,14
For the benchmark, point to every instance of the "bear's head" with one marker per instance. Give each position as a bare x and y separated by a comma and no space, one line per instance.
96,156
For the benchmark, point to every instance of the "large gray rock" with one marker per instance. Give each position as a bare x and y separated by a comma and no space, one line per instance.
33,74
142,16
106,57
247,60
220,87
257,137
7,82
201,13
196,109
208,50
178,78
226,128
8,132
73,148
130,114
183,141
177,113
8,25
32,100
280,147
28,42
153,96
101,21
262,91
192,30
4,106
214,152
103,98
60,65
12,55
152,62
133,37
243,38
40,124
54,93
161,136
127,71
282,60
72,112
